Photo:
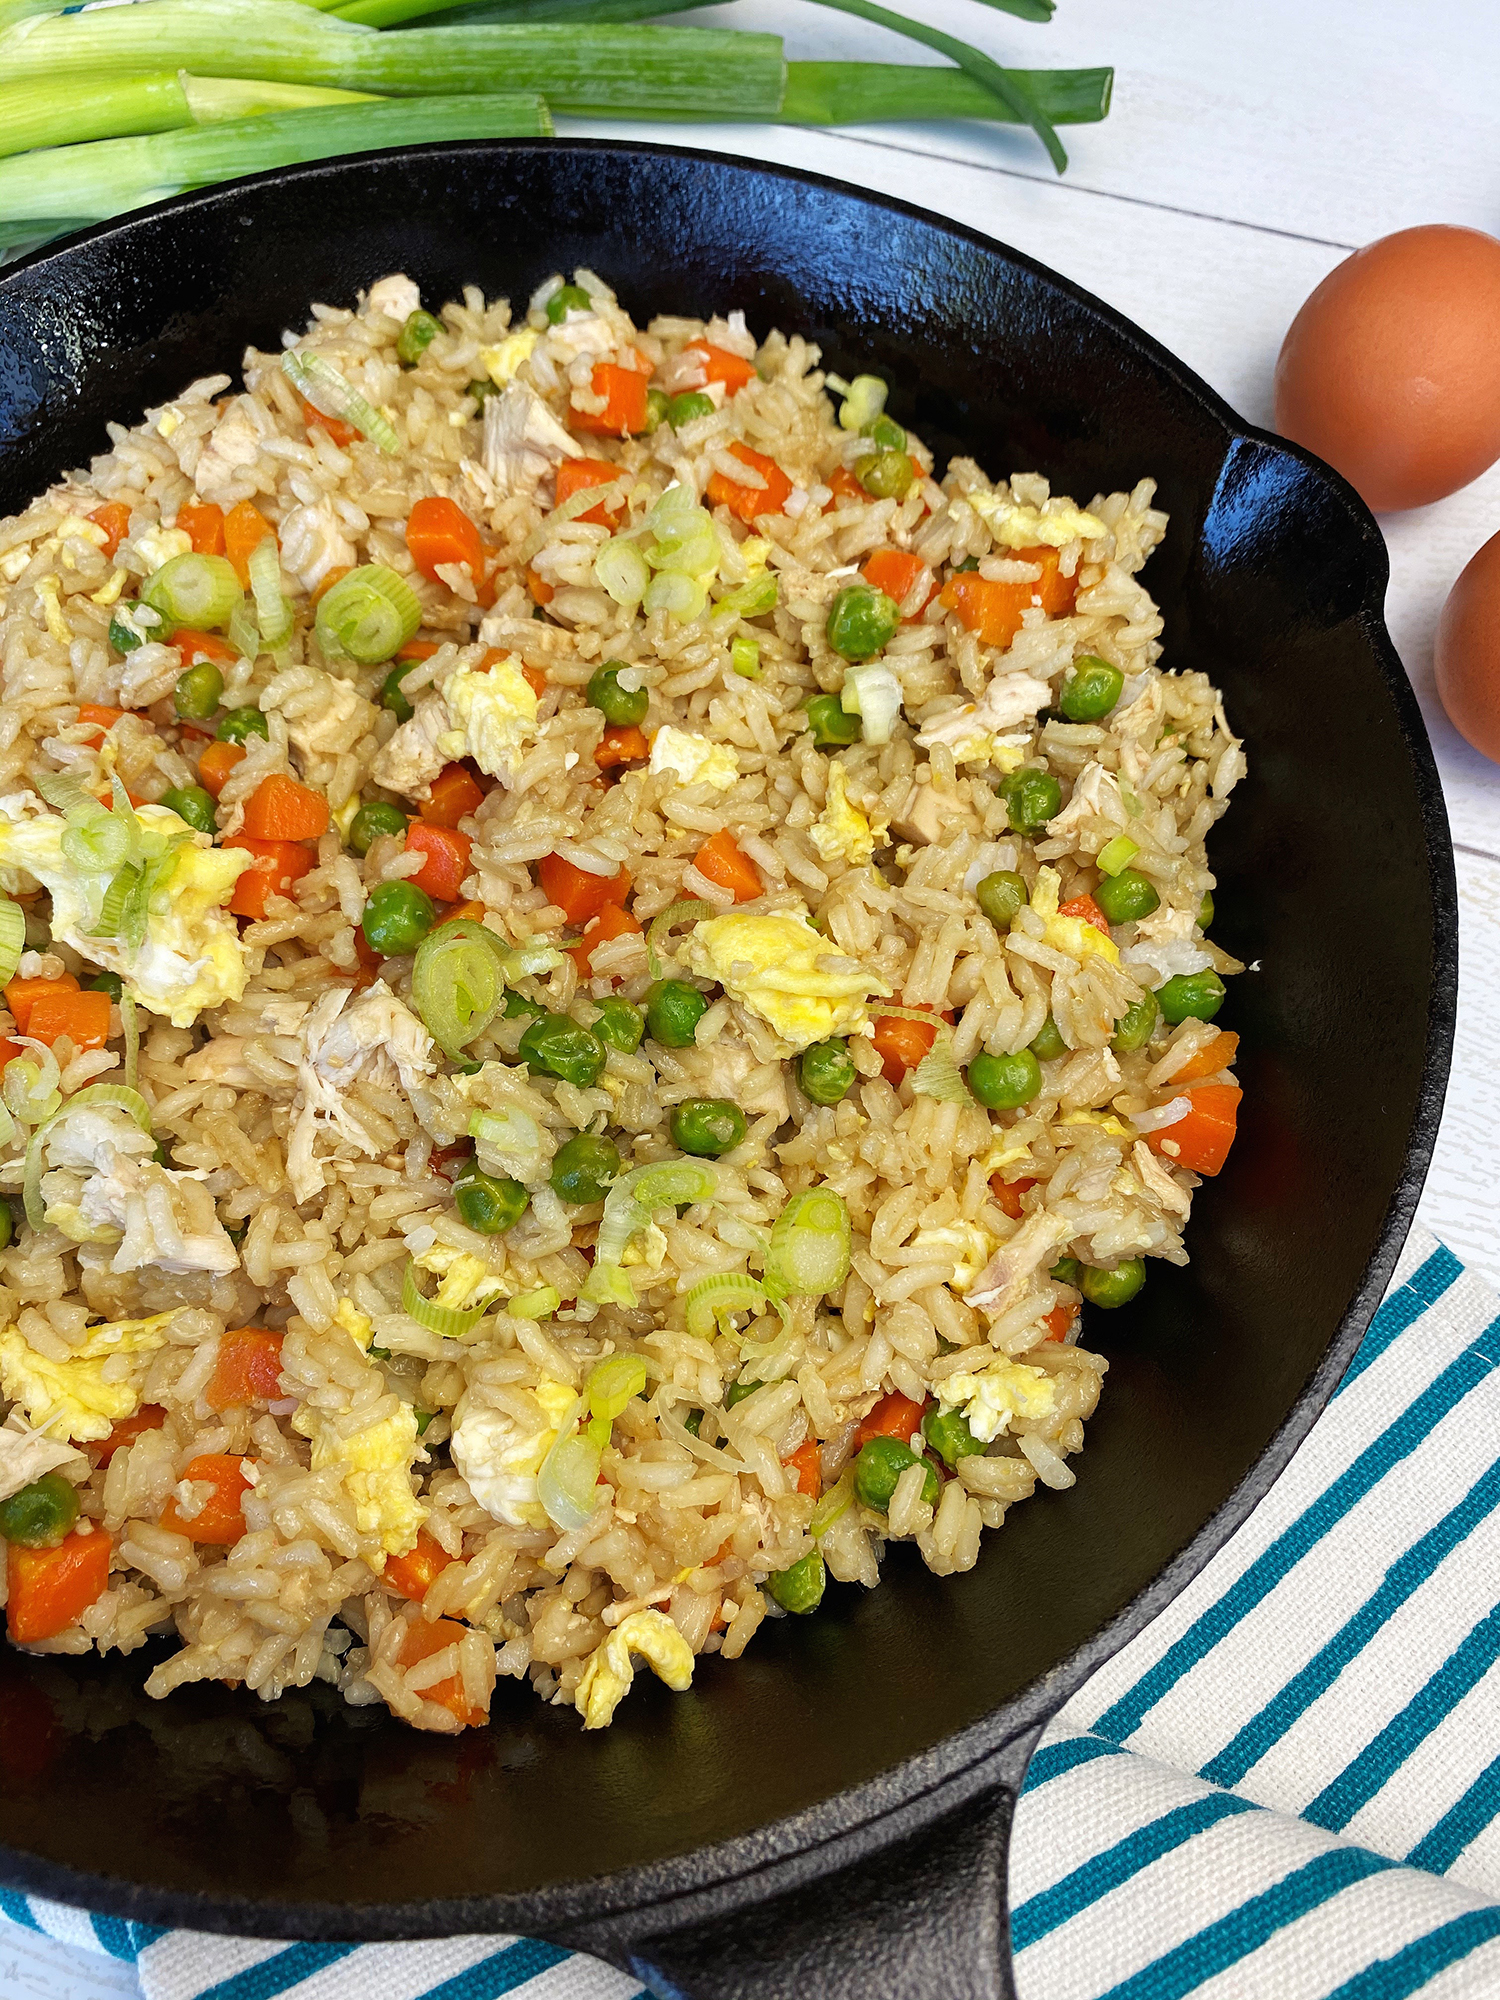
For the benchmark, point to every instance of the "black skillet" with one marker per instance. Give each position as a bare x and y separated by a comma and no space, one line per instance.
829,1815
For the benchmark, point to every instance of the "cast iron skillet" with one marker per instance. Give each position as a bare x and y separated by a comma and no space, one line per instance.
828,1815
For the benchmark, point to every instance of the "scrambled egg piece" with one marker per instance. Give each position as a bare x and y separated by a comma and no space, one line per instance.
841,830
1103,1120
190,957
754,552
359,1326
966,1243
501,361
374,1467
493,717
157,545
608,1676
784,971
83,1397
465,1280
1070,934
694,760
500,1461
991,1400
1053,526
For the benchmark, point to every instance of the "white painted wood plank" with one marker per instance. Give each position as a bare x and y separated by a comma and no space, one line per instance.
1462,1201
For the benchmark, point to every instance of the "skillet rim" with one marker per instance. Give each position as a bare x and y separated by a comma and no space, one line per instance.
958,1767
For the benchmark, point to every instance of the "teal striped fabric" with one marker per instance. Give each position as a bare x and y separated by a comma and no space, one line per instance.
1288,1788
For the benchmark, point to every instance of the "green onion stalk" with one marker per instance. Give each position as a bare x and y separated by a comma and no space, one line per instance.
80,108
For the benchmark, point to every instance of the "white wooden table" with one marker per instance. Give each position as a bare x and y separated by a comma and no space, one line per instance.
1249,149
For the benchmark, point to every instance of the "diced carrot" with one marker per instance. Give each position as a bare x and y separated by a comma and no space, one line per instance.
418,649
1201,1141
203,524
577,893
414,1573
99,718
1085,908
442,1158
624,412
328,579
749,502
203,646
216,763
339,432
438,531
722,863
719,365
536,680
455,793
50,1589
843,486
278,864
114,518
1059,1320
575,475
542,592
9,1050
994,610
248,1369
220,1519
896,571
245,528
369,958
441,875
472,913
421,1639
281,809
1217,1054
149,1417
894,1416
82,1016
901,1044
807,1468
611,922
621,743
21,995
1008,1195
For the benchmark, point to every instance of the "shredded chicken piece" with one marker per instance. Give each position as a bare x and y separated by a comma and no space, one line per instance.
1002,1280
103,1186
396,296
25,1455
1009,699
522,439
412,759
373,1039
234,443
313,543
1096,791
1157,1182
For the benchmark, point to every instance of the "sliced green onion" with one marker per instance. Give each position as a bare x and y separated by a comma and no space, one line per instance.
447,1321
65,793
864,402
132,1029
725,1293
673,1183
96,1094
117,901
810,1244
611,1385
315,377
682,597
744,658
12,938
690,911
534,1305
873,693
1118,855
458,982
622,570
528,961
200,592
836,1501
750,600
507,1143
567,1484
28,1084
244,631
272,612
628,1208
938,1075
368,614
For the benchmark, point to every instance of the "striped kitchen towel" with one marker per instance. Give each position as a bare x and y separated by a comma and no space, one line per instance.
1287,1788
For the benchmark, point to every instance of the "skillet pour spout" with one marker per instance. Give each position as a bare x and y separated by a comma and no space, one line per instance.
829,1813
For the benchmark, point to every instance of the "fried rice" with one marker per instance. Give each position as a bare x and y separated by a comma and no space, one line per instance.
289,1386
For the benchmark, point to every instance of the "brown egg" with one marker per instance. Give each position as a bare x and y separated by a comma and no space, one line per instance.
1468,651
1389,370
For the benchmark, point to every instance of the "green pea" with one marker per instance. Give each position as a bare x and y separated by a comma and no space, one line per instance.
1048,1044
7,1225
880,1464
966,567
861,621
392,696
948,1433
240,723
417,335
620,1025
481,388
618,704
584,1167
1031,798
198,691
800,1588
830,726
888,475
1001,1083
1206,911
1091,690
110,983
375,817
40,1514
487,1203
738,1391
707,1126
557,1045
397,918
122,634
657,404
693,1422
693,403
1126,897
826,1071
885,434
1113,1288
192,803
516,1004
673,1011
1065,1271
1135,1026
424,1418
568,298
1000,895
1191,995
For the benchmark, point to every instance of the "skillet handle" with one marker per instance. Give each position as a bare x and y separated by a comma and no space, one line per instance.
924,1917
